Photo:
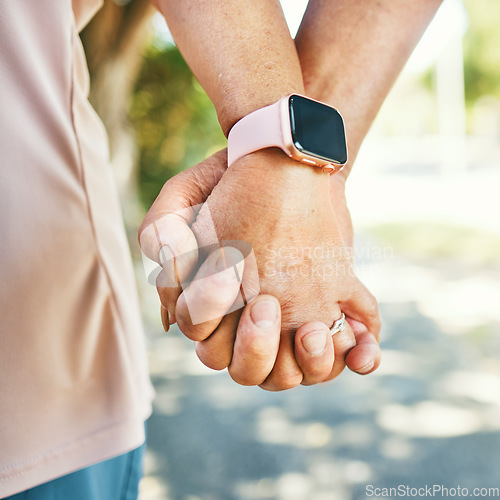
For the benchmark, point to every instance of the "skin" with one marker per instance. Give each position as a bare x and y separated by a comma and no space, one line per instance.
308,289
266,193
352,52
258,65
250,353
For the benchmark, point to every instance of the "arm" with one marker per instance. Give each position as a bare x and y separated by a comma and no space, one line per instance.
240,51
250,76
244,57
352,52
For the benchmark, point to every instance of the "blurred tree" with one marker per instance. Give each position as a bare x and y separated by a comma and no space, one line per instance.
176,124
157,115
141,83
481,53
114,42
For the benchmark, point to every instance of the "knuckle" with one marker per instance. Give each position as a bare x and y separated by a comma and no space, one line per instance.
258,348
317,372
242,378
174,182
192,332
338,368
344,342
310,381
372,308
284,381
189,333
213,359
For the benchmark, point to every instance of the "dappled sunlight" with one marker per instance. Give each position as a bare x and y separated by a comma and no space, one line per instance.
153,485
476,386
169,402
425,210
398,282
274,427
399,363
225,394
153,488
294,485
354,434
327,442
397,448
174,356
430,419
264,488
458,306
325,480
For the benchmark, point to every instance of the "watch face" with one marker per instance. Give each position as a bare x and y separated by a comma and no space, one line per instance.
317,130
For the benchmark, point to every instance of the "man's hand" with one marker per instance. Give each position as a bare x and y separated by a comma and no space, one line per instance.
284,210
244,68
239,343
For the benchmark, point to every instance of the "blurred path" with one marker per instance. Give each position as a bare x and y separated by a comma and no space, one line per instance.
430,252
430,415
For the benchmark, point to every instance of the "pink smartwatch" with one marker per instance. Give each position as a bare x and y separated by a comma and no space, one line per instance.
306,130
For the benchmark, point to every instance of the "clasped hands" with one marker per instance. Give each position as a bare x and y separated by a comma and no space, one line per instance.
263,305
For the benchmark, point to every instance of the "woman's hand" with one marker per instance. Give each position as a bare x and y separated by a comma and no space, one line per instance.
282,230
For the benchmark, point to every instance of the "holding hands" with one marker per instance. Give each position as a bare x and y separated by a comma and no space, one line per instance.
256,258
281,338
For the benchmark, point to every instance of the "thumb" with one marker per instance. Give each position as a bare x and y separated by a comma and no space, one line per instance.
169,246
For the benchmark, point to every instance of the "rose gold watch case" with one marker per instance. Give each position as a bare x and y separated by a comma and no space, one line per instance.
270,127
290,148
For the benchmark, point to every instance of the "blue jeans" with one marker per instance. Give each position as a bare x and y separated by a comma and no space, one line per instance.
114,479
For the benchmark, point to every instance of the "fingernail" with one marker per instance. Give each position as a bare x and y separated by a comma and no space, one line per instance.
315,342
171,318
167,261
264,313
165,319
366,368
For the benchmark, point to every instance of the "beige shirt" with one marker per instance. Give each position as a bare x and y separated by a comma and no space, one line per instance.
74,387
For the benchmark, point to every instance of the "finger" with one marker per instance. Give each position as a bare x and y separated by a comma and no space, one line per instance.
166,227
170,242
362,306
164,318
363,316
183,193
286,372
216,351
365,357
343,342
257,341
314,352
211,294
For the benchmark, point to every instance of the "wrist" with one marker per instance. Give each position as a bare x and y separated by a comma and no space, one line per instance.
306,130
233,107
271,173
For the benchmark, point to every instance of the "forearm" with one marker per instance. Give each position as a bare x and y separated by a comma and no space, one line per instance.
352,52
240,51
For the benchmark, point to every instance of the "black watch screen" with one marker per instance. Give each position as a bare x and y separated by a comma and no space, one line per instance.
317,129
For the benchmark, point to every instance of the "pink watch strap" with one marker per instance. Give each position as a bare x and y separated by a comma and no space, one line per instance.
263,128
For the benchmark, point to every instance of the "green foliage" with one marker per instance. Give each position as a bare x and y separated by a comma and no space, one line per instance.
481,49
175,122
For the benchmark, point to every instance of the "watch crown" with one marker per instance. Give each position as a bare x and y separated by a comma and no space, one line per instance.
328,169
